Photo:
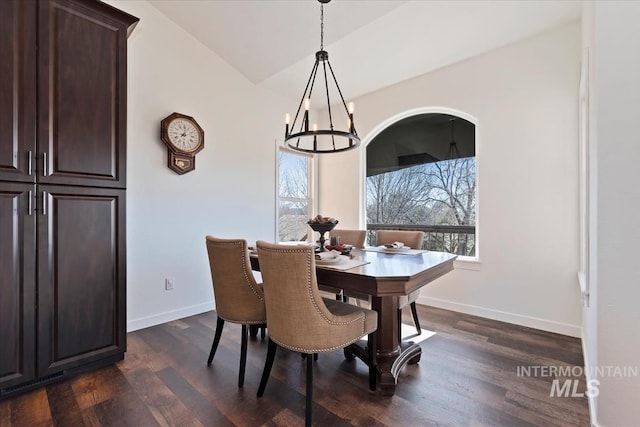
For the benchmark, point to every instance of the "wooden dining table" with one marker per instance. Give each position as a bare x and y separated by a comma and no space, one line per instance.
384,277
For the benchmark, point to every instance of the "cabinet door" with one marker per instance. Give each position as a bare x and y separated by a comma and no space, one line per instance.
17,284
17,89
82,94
81,276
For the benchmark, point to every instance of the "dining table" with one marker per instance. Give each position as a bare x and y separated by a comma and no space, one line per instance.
384,276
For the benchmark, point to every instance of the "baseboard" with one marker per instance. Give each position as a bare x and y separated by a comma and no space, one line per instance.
503,316
168,316
588,371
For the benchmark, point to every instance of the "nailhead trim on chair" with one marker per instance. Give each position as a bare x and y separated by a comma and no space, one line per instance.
243,322
309,290
315,304
316,350
248,276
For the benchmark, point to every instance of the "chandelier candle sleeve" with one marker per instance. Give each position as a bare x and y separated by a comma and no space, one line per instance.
315,137
287,118
351,128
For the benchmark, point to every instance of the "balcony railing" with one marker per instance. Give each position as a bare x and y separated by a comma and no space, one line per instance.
455,239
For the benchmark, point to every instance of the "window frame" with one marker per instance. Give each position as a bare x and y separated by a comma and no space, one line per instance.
463,262
312,187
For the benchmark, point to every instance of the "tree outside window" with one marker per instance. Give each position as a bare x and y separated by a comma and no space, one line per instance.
423,177
294,195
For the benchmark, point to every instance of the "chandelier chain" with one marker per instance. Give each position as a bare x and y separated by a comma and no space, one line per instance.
321,26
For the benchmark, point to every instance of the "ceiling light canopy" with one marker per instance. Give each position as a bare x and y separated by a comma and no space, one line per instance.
307,137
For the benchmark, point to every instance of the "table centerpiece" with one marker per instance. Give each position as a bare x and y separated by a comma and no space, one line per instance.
322,224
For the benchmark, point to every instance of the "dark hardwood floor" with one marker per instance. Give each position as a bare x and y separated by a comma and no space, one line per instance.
468,376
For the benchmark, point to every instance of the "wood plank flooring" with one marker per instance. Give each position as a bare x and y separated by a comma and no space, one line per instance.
468,376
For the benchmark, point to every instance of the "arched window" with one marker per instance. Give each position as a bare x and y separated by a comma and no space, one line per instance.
421,175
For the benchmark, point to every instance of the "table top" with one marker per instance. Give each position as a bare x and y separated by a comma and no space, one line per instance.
398,265
388,274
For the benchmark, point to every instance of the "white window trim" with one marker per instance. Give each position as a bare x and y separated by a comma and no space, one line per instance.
312,176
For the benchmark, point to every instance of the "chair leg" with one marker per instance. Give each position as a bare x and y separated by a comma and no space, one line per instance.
309,397
338,297
216,339
373,362
268,363
414,312
243,355
253,330
400,324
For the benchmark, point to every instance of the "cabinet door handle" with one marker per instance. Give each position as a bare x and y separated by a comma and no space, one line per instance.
44,164
44,203
29,163
30,202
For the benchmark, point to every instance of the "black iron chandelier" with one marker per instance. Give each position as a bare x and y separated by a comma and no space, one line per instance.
306,137
453,152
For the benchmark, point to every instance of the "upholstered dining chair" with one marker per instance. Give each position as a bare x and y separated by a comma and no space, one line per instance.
301,320
355,238
414,240
239,298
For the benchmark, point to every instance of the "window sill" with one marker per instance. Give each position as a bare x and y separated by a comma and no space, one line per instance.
467,263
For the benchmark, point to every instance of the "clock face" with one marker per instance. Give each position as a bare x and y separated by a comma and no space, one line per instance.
183,134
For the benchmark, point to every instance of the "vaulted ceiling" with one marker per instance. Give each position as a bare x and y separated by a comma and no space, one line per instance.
371,43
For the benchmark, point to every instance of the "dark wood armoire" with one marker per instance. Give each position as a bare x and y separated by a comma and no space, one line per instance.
63,98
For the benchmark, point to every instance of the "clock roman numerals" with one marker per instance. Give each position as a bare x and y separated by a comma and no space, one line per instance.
183,134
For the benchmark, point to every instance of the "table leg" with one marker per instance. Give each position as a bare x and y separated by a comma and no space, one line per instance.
388,340
393,354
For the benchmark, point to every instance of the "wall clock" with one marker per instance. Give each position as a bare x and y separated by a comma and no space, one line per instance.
183,137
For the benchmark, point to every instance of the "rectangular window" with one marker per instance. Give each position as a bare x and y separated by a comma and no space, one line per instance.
295,195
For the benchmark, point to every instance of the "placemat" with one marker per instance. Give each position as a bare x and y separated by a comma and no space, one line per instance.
346,264
383,251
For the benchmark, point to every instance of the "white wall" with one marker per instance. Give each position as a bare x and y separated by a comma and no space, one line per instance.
590,306
231,192
611,325
524,97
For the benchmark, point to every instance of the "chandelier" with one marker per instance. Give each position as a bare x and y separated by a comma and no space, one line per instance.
306,137
453,152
